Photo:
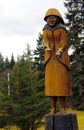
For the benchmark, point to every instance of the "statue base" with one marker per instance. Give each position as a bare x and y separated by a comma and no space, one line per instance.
66,121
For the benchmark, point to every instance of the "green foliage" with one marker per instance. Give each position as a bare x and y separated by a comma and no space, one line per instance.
12,62
26,105
2,67
28,97
5,109
75,27
6,63
39,56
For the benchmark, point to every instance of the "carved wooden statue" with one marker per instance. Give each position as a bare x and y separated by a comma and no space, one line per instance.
57,64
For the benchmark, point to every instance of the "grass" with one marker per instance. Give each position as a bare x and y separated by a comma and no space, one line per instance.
80,119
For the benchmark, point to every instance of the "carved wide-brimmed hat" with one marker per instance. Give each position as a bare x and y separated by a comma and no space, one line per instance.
55,12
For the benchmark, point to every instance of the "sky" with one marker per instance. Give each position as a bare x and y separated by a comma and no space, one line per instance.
21,21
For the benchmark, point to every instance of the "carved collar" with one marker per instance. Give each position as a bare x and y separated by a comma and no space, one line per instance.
59,25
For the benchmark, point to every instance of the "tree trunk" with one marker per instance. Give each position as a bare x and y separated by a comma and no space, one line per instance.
66,121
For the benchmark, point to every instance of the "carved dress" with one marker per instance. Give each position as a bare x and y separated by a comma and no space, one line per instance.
57,77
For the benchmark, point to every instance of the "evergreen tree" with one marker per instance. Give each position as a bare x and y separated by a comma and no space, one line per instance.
2,67
7,63
27,54
75,18
5,109
27,104
12,62
28,97
39,55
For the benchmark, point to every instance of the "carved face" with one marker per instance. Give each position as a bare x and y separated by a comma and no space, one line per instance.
52,20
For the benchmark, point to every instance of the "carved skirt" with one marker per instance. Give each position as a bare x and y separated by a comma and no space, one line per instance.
57,79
